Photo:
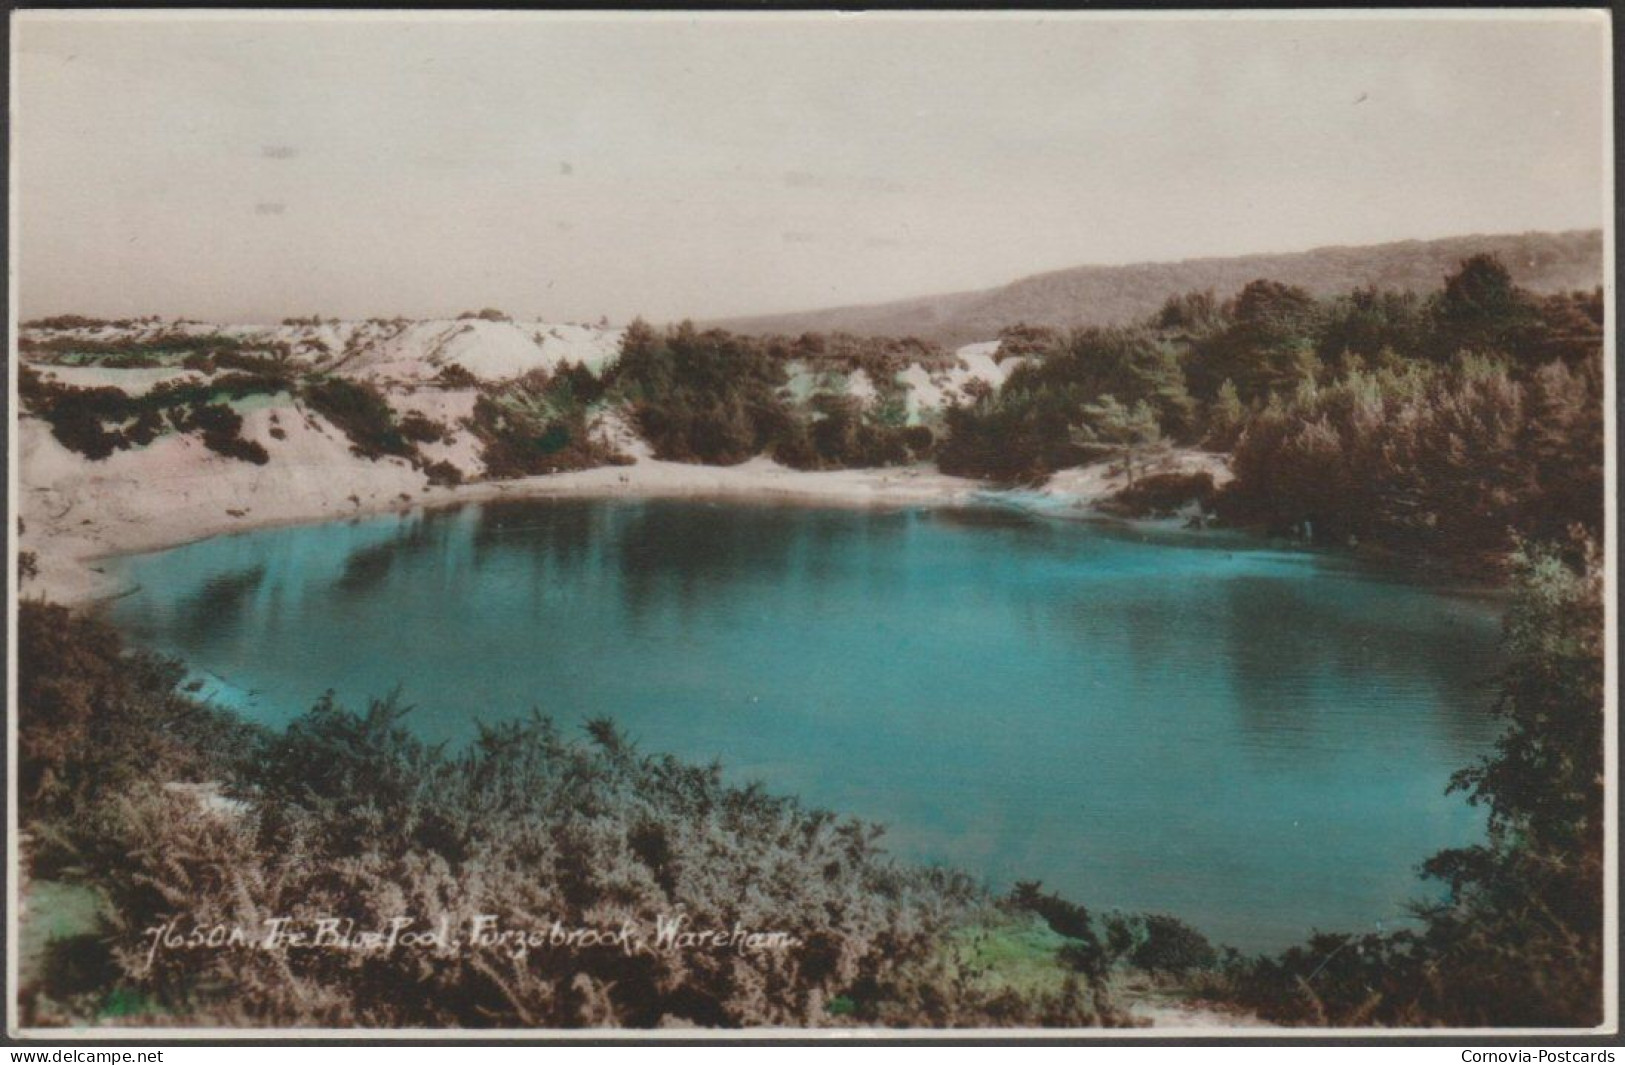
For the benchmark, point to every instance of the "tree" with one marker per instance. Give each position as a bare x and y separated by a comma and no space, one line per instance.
1523,924
1268,347
1481,310
1225,418
1562,437
1367,322
1132,366
701,396
1190,311
1517,938
1131,433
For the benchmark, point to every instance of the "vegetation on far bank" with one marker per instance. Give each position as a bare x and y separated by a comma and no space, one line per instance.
1436,427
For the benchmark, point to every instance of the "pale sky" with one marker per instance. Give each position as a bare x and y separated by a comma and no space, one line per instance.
244,170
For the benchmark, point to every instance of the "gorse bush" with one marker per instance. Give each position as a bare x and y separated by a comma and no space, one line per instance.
362,413
220,428
99,720
348,815
419,428
1163,944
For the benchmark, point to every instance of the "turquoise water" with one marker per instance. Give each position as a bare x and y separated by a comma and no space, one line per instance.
1255,740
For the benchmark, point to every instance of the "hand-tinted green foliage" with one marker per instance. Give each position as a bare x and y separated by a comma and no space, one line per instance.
1013,435
1434,427
1265,344
1092,393
880,358
1444,461
1276,369
95,422
1108,428
1481,310
94,719
1161,495
1133,367
131,353
1571,328
419,428
1101,295
1021,340
709,397
348,815
846,432
720,398
1517,939
270,359
1190,312
77,321
1084,953
1225,419
221,430
539,423
1374,325
362,413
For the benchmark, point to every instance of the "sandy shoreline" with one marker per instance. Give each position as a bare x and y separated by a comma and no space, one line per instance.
75,512
69,536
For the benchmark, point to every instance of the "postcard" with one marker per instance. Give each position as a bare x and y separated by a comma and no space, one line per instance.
742,524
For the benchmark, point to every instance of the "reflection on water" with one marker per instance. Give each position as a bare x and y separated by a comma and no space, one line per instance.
1257,740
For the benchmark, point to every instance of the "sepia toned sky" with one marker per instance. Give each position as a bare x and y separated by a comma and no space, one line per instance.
246,169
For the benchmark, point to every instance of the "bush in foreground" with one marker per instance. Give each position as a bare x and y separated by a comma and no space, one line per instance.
348,815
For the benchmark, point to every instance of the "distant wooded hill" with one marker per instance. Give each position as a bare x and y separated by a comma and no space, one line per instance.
1109,295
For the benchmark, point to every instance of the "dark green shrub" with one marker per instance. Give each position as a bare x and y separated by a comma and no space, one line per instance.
74,321
361,412
455,375
419,428
444,474
539,424
94,718
1169,946
1162,494
708,397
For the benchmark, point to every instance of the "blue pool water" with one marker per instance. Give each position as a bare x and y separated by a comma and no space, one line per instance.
1256,740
